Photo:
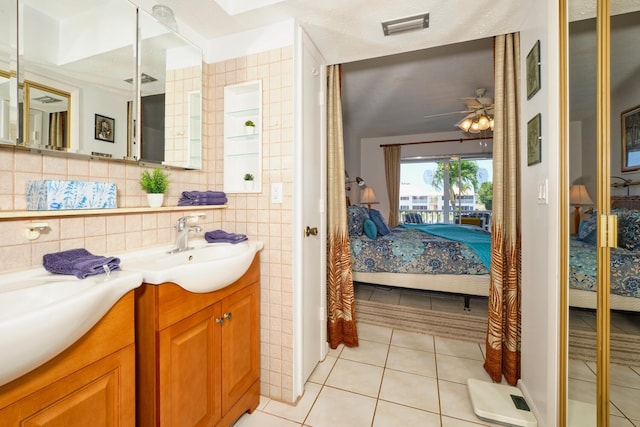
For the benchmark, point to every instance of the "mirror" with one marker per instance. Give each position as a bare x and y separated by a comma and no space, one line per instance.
586,380
46,125
170,96
87,51
8,74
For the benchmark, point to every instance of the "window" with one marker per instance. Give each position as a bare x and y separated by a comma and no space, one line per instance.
433,187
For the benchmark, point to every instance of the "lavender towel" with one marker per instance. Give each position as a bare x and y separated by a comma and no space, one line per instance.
202,201
221,236
203,194
79,262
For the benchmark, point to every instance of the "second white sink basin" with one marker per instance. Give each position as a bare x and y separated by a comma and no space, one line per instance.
41,314
206,268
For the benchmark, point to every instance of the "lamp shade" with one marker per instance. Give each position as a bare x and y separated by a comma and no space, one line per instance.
578,195
368,197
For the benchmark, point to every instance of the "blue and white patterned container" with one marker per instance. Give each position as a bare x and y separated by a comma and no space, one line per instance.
50,194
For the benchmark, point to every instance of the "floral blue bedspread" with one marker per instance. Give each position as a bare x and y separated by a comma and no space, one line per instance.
412,251
625,269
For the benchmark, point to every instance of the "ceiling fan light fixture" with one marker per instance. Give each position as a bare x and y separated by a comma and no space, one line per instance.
476,123
465,124
483,122
401,25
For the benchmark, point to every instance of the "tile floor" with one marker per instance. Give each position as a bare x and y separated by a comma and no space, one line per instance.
399,378
394,378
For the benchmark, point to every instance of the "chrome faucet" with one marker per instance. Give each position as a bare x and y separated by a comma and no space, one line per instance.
183,228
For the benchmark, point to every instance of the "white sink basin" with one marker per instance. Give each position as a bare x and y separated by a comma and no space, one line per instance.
41,314
206,268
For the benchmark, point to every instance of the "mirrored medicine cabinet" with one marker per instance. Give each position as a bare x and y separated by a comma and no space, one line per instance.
98,79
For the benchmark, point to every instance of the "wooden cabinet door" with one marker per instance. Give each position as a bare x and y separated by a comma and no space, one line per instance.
102,394
240,343
190,370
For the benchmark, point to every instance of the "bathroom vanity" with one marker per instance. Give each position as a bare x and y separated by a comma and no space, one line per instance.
90,383
198,354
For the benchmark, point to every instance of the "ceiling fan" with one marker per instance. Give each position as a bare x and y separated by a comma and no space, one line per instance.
479,113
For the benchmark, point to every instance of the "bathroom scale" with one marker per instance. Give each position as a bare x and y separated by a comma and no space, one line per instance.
500,403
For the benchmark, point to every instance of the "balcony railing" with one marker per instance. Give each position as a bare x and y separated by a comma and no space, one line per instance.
437,216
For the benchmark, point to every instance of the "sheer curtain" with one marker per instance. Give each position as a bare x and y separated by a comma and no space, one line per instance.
392,176
341,320
503,329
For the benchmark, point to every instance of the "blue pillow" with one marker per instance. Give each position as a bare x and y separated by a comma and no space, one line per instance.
370,229
587,231
378,220
355,217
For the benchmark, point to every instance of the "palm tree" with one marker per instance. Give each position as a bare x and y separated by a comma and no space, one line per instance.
463,176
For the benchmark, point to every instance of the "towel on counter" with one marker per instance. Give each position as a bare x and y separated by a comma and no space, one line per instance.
79,262
193,198
221,236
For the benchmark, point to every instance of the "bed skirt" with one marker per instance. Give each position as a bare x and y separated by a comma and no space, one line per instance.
453,283
587,299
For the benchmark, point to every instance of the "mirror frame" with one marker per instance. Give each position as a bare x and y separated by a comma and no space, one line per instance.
28,86
563,345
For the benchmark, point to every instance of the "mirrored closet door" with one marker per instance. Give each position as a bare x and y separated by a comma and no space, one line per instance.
601,302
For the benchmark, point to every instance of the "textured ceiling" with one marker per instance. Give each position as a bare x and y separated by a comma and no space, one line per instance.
391,96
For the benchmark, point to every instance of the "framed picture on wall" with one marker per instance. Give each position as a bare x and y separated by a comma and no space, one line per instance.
534,141
533,70
630,131
104,128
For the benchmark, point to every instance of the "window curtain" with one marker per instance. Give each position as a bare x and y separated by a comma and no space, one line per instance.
57,130
503,330
341,315
392,176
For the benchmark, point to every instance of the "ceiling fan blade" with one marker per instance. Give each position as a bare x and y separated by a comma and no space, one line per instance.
485,100
472,103
447,114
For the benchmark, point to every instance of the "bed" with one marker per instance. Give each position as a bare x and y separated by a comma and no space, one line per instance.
625,260
410,258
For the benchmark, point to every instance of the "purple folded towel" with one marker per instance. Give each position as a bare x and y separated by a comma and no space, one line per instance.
221,236
79,262
201,194
202,201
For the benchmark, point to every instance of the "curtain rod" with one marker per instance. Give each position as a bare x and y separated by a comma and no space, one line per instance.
461,140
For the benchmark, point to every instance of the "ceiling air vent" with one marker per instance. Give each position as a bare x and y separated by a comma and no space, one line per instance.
410,23
144,78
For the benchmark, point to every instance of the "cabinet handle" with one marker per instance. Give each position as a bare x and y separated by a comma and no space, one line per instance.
219,320
226,316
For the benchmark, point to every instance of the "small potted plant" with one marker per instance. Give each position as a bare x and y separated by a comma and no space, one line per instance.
248,181
155,183
249,127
